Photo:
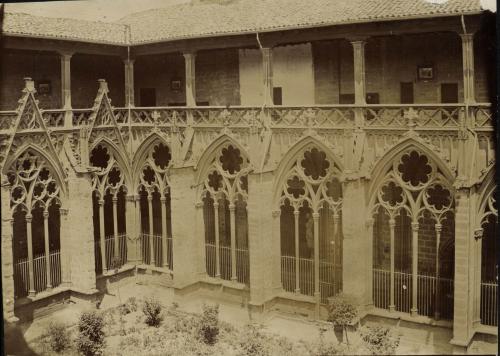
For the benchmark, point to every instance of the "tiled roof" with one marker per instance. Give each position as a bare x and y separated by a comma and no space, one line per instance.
242,16
21,24
232,17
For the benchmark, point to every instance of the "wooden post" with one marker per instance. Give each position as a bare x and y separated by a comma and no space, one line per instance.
190,67
66,87
358,47
468,67
129,82
267,71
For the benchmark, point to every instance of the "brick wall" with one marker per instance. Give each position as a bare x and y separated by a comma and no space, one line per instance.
391,60
87,69
41,66
158,71
217,77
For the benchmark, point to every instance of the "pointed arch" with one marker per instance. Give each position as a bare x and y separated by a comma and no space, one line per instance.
289,159
205,159
486,189
119,155
53,162
142,152
384,163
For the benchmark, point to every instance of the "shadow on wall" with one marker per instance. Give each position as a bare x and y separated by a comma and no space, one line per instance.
14,342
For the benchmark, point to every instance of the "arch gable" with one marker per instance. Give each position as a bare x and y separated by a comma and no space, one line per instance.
384,163
290,156
142,152
53,163
120,156
205,160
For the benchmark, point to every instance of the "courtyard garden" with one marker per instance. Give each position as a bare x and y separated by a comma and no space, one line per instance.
147,327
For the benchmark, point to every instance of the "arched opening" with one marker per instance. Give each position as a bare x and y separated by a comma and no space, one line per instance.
108,203
310,226
489,266
413,238
224,196
154,206
35,203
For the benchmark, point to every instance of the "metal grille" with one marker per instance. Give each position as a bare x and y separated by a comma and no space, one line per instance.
112,260
242,263
158,253
22,278
489,303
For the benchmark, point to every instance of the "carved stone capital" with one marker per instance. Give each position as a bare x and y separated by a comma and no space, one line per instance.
478,233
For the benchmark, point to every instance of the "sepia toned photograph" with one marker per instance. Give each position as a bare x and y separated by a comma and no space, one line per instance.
249,177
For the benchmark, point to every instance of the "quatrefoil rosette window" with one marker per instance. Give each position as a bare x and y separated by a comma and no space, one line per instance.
227,175
109,178
32,183
313,180
155,170
415,184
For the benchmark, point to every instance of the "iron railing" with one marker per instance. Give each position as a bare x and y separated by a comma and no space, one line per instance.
489,303
225,263
22,277
145,241
113,260
426,296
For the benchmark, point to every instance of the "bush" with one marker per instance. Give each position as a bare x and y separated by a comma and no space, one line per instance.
252,341
379,340
152,311
90,339
58,337
128,307
341,312
209,324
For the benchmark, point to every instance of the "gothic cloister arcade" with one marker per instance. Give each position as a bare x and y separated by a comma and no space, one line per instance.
35,199
310,203
224,192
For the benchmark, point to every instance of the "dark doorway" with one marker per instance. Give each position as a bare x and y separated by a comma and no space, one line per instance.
277,96
406,93
449,93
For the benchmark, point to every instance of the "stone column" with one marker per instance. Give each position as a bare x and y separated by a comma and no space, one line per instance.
267,71
138,226
188,241
369,262
102,238
468,67
414,268
438,228
47,247
151,230
217,238
463,309
115,228
29,234
65,246
164,236
66,87
131,229
297,250
190,67
392,226
129,82
79,233
233,241
317,292
263,239
356,250
7,253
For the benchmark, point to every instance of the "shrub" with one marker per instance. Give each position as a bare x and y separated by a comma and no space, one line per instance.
58,337
90,339
341,312
252,341
152,311
209,324
379,340
128,307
